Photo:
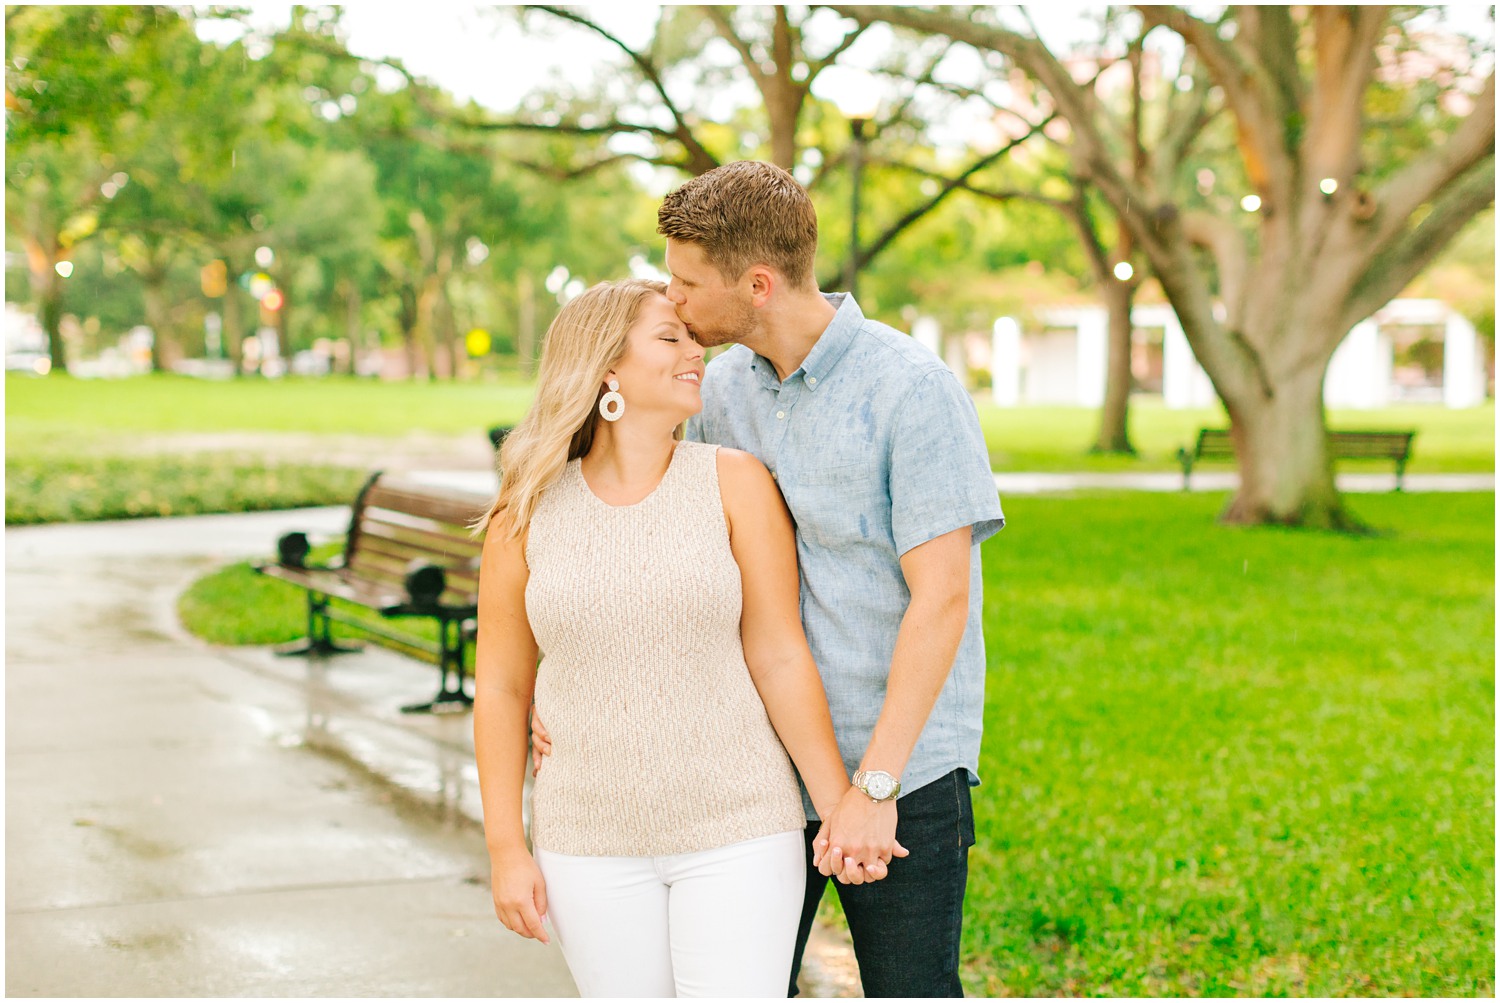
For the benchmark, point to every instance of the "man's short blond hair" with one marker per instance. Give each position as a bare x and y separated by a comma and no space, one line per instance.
744,214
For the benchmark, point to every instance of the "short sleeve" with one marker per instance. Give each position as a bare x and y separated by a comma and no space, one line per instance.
940,466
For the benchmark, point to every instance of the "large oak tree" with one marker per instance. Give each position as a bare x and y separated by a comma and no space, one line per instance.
1344,221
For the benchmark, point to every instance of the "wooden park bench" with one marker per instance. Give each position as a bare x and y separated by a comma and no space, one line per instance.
1215,444
409,554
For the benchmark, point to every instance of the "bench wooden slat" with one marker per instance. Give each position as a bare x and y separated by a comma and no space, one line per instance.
392,534
449,510
405,550
418,522
377,568
1354,444
331,583
444,548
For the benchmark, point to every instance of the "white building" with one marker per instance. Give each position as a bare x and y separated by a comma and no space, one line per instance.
1411,350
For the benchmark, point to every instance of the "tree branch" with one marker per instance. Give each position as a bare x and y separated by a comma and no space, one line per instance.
1268,32
1185,121
864,256
1231,255
993,194
827,60
698,154
611,128
1344,61
1156,228
1424,178
925,78
1261,131
725,28
1077,104
1077,212
1404,260
556,173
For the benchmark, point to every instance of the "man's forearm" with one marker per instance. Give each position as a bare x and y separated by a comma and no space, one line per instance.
937,575
931,631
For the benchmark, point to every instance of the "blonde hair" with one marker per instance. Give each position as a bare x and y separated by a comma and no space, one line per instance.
584,341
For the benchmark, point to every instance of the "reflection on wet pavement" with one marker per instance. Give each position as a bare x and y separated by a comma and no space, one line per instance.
184,819
191,821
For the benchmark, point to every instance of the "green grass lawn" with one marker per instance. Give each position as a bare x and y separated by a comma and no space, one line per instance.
1057,438
235,605
1217,761
59,411
1227,761
81,487
74,448
336,405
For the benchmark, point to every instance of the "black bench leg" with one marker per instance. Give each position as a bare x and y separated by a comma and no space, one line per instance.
1400,473
319,639
449,698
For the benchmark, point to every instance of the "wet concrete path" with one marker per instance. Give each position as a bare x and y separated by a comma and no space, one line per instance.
190,821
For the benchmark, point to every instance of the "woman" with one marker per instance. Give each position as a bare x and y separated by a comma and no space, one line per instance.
667,826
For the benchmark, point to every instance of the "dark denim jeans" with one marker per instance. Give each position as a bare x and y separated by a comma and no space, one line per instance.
906,927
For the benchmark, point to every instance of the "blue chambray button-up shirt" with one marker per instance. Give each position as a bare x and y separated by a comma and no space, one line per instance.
877,449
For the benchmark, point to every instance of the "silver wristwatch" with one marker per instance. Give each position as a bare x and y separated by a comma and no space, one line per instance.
878,785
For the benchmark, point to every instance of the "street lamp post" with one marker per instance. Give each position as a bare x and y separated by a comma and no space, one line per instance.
859,131
857,98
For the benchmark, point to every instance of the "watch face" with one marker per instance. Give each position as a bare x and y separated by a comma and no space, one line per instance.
880,785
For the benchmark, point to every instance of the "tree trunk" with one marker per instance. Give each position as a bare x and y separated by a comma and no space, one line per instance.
426,328
445,327
526,324
353,310
783,108
154,298
46,286
408,321
283,315
234,323
458,344
1286,469
1114,416
49,314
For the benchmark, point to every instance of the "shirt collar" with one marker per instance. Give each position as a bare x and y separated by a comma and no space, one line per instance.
827,350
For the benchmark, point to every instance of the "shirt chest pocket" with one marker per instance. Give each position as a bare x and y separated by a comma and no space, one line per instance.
840,505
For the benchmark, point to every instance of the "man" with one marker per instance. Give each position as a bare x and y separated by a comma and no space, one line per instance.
877,450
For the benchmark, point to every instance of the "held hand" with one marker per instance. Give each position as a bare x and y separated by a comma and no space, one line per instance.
820,841
541,742
519,892
857,840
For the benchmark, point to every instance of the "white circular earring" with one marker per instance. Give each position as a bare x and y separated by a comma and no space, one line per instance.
612,405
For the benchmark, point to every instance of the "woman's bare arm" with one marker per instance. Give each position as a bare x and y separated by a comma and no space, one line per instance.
761,537
504,678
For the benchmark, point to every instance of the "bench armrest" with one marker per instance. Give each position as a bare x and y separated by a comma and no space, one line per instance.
292,550
425,582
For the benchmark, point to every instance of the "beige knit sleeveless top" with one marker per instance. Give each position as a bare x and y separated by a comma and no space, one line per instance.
660,742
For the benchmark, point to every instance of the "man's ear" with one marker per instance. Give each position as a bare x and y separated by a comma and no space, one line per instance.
763,283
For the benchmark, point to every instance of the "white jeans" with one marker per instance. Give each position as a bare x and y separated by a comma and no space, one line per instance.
720,922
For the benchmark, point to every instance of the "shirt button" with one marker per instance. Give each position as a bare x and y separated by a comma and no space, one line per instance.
781,414
812,381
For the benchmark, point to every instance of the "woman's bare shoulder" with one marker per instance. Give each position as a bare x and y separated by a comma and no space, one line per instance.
741,466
